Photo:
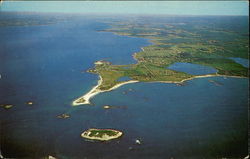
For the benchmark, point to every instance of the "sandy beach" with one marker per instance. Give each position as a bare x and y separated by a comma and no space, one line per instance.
210,75
198,76
95,90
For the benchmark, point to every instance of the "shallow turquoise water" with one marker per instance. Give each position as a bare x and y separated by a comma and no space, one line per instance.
125,78
44,64
193,69
243,62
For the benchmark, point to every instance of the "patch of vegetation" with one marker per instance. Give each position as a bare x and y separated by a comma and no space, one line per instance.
205,41
100,133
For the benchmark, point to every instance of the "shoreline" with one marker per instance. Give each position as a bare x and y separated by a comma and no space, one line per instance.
95,90
200,76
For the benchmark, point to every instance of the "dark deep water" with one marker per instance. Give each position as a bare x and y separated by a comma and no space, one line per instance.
43,64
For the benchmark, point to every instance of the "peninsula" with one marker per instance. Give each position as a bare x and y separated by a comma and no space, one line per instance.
101,134
171,42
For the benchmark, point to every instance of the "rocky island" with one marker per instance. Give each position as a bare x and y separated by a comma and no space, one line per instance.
101,134
63,116
6,106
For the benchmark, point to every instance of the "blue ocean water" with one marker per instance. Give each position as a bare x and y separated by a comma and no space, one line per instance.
46,63
193,69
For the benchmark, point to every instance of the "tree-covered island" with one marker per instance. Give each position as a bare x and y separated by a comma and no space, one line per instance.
101,134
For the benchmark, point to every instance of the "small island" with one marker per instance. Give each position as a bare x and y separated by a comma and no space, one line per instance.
101,134
63,116
29,103
6,106
107,107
